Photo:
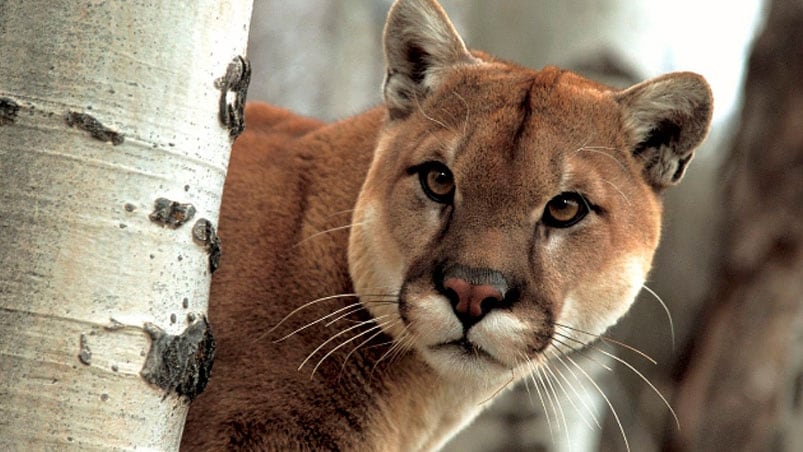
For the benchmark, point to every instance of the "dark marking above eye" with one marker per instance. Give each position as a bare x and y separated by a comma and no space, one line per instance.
525,106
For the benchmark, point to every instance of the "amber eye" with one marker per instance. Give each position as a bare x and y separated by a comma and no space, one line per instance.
565,210
436,181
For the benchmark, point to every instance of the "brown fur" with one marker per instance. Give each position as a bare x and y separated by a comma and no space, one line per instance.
513,138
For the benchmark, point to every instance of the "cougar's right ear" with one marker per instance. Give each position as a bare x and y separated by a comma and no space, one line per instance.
668,117
420,41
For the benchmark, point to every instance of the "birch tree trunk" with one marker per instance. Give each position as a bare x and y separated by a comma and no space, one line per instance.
116,120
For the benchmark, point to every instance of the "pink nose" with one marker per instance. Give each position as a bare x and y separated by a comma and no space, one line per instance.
472,301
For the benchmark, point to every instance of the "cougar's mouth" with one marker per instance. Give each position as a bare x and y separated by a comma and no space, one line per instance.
467,350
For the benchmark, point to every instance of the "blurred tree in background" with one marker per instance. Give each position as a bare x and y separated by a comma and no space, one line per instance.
741,382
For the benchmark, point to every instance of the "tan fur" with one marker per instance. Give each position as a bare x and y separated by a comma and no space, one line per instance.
514,139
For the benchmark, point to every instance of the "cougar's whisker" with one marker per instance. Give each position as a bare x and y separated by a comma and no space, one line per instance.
500,389
308,304
607,401
566,393
381,344
600,150
396,344
347,313
541,399
363,343
526,362
583,400
618,190
532,367
338,228
318,320
339,212
406,344
390,300
649,358
646,380
346,342
561,338
575,350
467,119
609,340
556,397
552,419
335,336
428,117
666,310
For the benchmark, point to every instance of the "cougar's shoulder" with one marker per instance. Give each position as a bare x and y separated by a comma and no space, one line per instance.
287,174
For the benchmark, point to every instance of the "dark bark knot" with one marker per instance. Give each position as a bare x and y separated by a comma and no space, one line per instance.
180,363
85,353
8,111
97,130
233,90
203,233
172,214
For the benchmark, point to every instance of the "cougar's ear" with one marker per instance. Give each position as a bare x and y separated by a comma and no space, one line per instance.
667,117
420,41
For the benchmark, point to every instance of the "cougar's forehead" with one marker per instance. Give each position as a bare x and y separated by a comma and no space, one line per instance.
516,138
535,133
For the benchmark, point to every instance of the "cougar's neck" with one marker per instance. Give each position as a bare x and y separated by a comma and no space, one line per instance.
421,410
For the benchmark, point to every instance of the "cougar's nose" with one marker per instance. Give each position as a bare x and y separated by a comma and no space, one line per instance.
473,292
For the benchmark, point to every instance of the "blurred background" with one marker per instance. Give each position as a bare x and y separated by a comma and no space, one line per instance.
735,371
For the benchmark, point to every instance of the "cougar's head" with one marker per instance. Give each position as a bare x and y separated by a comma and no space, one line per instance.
513,212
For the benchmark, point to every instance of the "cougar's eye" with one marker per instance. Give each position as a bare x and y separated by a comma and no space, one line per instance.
436,181
565,210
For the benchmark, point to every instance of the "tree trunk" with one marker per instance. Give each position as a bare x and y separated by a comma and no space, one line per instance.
116,120
743,384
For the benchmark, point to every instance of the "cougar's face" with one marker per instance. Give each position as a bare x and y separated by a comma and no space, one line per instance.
509,218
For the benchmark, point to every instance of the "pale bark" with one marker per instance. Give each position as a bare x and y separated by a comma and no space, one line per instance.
105,107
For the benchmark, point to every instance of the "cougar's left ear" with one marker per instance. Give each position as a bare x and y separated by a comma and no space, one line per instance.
420,41
667,117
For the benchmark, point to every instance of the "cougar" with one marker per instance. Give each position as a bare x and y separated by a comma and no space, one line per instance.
386,276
